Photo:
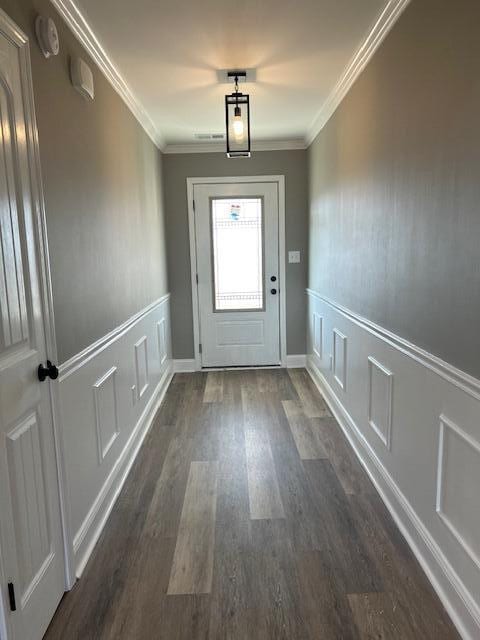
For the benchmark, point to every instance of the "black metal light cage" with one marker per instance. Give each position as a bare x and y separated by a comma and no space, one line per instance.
233,102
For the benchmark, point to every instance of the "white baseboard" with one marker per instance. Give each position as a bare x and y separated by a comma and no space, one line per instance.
296,361
451,591
89,533
184,366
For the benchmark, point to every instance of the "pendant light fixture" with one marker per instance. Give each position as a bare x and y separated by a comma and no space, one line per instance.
237,116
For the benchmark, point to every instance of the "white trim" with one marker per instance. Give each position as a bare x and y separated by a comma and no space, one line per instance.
317,346
79,26
459,604
193,274
445,423
219,147
136,347
460,379
343,338
280,180
80,359
386,438
282,258
357,64
297,361
104,448
97,516
184,366
161,341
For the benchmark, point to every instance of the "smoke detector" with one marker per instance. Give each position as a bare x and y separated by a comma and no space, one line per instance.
47,36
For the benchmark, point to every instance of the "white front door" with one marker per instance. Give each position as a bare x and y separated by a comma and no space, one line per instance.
237,249
31,552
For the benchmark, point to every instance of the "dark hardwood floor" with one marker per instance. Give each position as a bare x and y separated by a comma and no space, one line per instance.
247,516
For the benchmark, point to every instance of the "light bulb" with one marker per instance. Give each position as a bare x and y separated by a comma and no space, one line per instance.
238,129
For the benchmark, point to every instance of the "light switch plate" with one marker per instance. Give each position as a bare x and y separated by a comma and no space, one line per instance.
293,257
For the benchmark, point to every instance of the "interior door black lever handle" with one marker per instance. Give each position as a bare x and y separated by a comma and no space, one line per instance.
50,371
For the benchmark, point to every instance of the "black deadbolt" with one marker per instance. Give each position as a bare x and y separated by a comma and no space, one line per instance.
273,278
50,371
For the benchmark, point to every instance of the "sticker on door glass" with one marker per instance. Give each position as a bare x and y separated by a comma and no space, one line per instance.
237,248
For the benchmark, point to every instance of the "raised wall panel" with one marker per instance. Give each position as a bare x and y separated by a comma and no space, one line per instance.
317,337
340,358
240,332
106,418
141,366
30,502
162,340
458,482
380,396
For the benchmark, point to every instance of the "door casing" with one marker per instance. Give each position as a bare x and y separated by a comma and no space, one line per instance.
280,181
10,30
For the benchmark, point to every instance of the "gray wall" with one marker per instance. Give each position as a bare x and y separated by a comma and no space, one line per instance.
104,202
176,169
395,186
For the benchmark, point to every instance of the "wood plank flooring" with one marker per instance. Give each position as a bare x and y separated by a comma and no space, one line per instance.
247,516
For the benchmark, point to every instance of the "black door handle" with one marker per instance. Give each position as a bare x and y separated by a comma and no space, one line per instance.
273,291
50,371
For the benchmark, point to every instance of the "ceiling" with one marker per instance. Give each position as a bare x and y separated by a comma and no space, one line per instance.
168,53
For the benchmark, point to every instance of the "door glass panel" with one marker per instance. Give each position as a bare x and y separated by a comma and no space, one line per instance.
237,247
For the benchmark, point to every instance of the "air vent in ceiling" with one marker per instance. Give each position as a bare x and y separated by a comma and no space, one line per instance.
209,136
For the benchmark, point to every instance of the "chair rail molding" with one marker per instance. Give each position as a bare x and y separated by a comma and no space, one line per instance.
425,465
104,424
82,357
451,374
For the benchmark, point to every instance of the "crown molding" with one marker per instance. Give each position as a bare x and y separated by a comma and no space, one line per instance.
77,23
357,64
84,33
219,147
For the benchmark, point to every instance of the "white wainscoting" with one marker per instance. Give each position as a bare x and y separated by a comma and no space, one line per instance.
414,422
109,394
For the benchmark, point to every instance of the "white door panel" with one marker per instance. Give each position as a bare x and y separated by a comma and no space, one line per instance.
236,229
30,532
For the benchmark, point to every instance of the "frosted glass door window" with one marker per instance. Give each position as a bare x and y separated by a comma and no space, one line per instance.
237,242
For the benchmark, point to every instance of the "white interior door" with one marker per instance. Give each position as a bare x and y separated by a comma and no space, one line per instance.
31,553
237,248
